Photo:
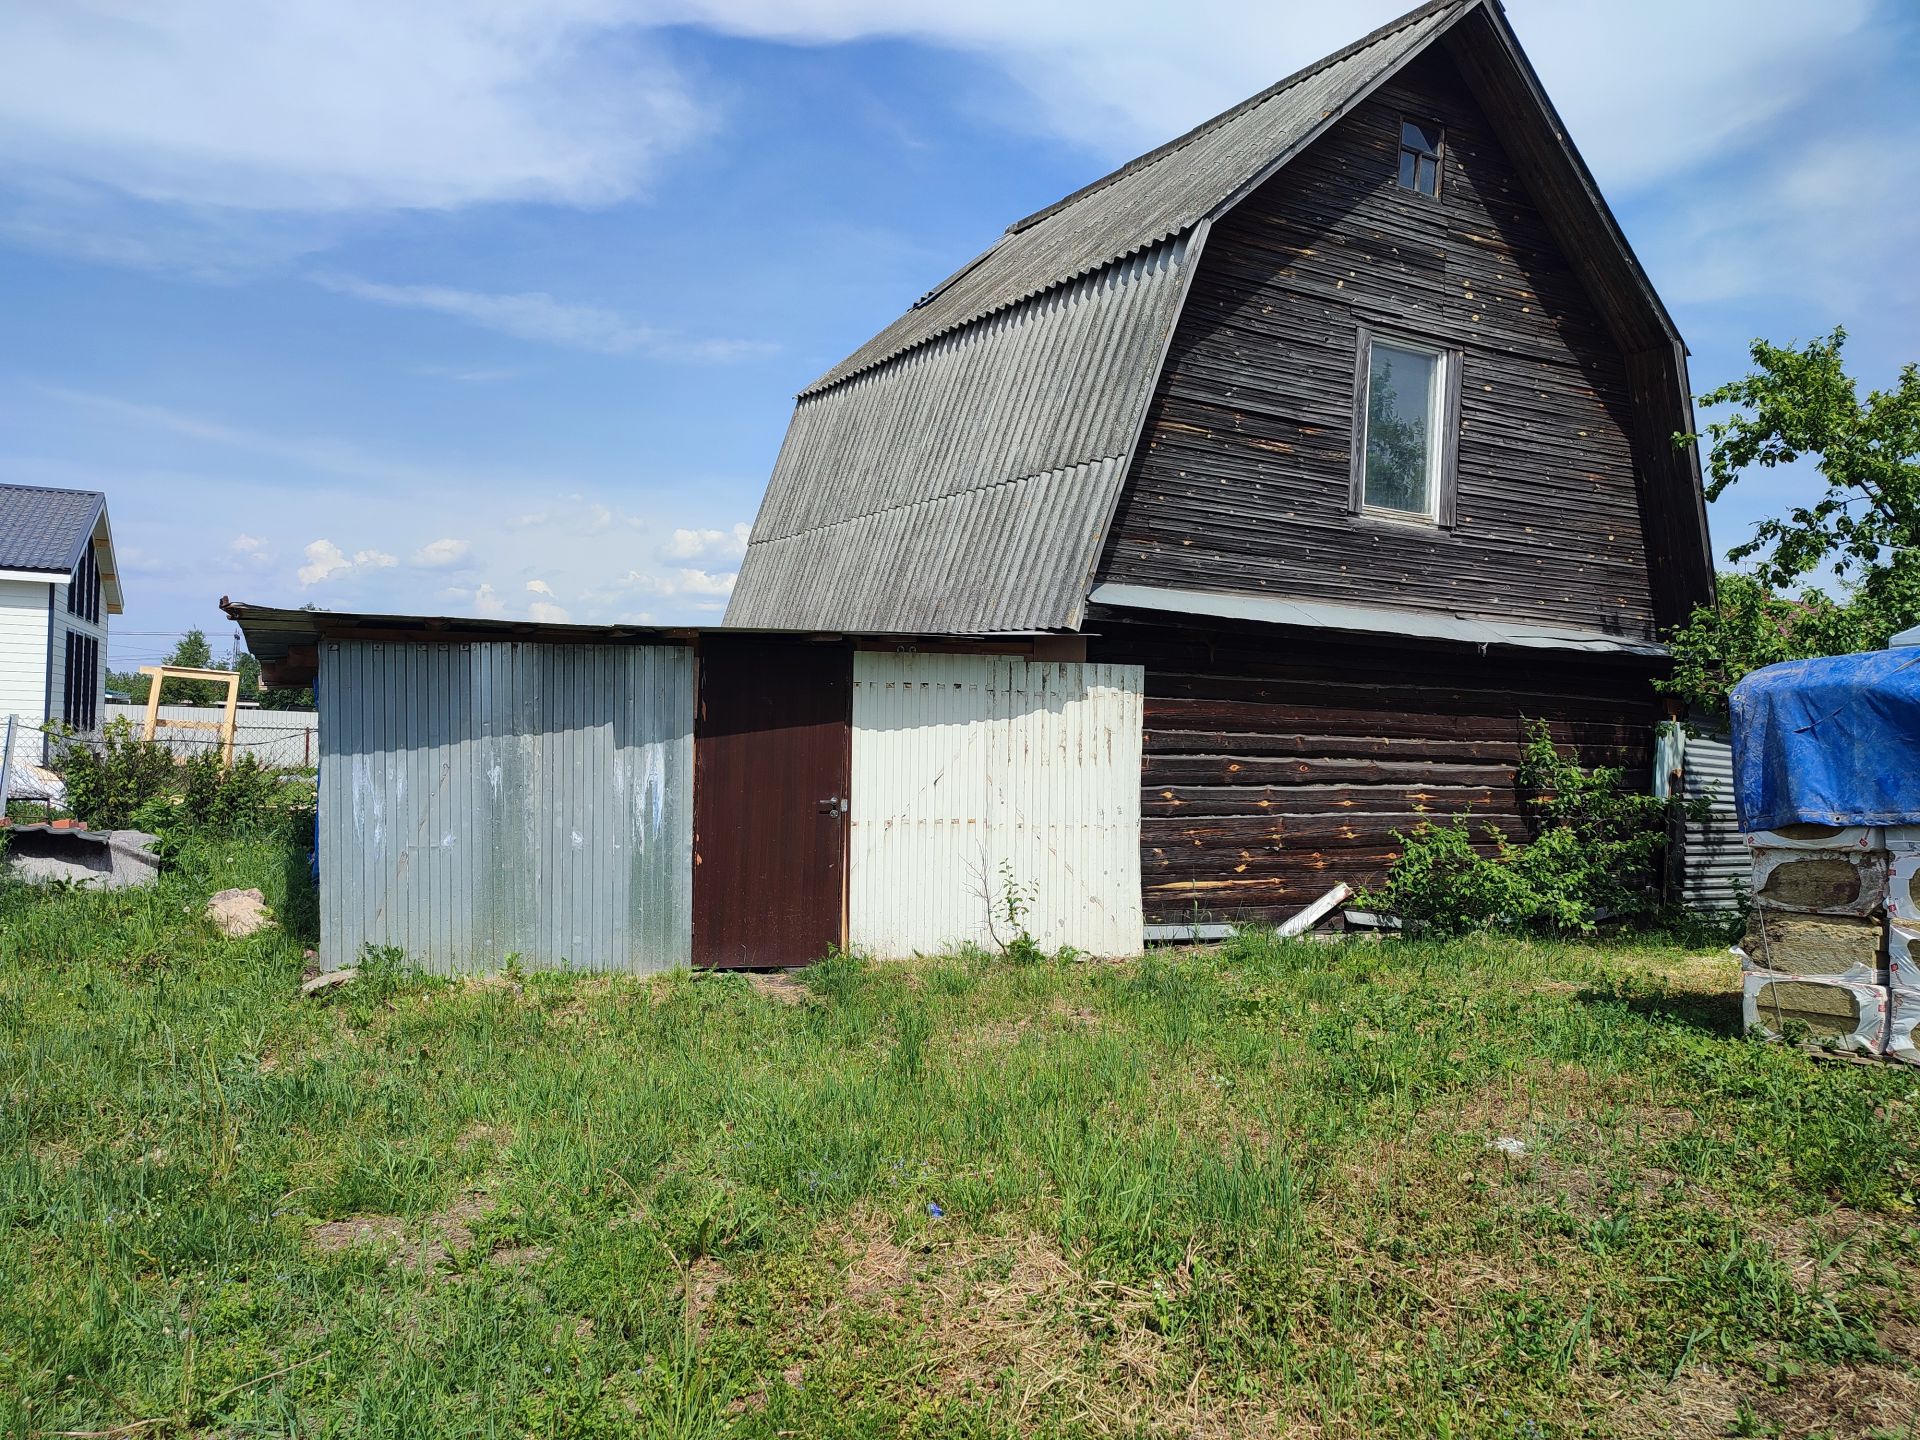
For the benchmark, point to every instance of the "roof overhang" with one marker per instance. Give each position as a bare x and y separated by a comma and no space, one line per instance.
1371,620
287,642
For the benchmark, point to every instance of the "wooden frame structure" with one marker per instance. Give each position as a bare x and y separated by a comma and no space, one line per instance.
223,727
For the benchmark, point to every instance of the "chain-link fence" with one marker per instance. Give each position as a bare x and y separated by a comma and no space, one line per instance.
279,739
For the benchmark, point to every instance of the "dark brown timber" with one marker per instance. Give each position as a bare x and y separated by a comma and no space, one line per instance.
1279,763
1242,480
772,746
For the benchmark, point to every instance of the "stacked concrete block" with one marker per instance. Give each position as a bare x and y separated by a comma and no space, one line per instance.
1815,952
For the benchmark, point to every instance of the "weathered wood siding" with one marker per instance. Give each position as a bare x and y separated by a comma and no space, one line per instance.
1276,766
1241,482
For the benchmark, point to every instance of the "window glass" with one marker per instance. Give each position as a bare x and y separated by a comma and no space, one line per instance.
1420,156
1403,390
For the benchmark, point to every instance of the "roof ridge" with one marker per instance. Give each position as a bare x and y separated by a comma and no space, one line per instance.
1252,102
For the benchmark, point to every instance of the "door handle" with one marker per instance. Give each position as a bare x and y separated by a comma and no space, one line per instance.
833,805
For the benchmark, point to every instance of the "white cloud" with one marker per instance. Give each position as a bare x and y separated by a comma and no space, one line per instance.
487,603
685,582
439,554
247,545
324,560
337,105
539,587
1648,87
541,318
703,544
547,613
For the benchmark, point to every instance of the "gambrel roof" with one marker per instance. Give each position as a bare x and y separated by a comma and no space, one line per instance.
958,472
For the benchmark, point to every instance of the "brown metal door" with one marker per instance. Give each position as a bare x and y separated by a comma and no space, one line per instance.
771,751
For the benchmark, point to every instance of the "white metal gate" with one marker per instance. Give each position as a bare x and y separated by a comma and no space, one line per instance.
971,772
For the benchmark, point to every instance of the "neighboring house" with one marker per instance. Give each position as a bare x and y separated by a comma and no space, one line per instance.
58,584
1349,415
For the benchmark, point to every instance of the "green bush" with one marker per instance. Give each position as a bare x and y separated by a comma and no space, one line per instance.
1593,849
108,783
236,800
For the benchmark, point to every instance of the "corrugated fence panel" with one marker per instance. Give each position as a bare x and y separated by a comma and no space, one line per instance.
486,801
276,738
1715,868
965,764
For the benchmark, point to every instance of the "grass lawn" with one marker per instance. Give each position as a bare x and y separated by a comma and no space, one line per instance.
1252,1191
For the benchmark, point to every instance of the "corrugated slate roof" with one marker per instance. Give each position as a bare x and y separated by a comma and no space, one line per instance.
965,485
957,473
45,529
1160,194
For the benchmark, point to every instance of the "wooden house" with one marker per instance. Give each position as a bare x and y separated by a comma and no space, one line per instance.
1349,416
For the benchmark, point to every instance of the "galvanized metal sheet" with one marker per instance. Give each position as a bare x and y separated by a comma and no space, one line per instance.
1367,619
481,802
983,467
1715,868
965,764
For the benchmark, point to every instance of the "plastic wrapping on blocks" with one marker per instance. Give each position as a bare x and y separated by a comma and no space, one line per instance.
1816,837
1903,993
1903,887
1900,837
1836,1014
1814,882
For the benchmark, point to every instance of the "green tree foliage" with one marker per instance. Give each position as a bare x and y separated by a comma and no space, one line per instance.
1863,528
1750,626
1593,848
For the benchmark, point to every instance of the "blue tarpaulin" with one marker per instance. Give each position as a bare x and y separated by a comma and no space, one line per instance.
1831,742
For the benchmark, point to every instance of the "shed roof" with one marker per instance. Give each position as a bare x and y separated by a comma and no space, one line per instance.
960,469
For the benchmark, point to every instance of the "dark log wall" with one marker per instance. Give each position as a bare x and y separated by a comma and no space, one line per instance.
1241,482
1279,764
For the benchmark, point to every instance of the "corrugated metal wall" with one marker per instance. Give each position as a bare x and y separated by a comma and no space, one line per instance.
485,800
963,761
1715,870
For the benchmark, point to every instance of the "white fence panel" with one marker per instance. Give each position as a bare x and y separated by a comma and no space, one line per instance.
965,764
277,738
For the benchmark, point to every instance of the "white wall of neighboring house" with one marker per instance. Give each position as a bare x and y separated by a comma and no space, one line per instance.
23,658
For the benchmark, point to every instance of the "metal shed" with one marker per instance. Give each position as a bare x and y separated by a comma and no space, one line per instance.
637,800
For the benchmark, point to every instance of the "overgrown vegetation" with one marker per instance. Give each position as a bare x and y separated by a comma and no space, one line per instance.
1484,1188
1593,850
1800,407
122,781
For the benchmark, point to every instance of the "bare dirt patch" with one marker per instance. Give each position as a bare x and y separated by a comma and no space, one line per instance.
332,1236
778,985
1012,1316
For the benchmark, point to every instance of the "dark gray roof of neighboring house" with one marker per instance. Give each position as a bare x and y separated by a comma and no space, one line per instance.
45,529
958,472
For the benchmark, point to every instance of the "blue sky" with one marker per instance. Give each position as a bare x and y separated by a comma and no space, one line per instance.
499,308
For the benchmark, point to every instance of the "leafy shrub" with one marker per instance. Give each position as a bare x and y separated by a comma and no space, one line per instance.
1592,851
236,801
109,781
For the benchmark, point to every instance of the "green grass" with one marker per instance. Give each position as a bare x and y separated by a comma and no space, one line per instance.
1250,1191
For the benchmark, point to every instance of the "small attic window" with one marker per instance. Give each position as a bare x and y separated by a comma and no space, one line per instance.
1420,142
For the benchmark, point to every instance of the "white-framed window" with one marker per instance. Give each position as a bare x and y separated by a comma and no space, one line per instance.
1405,423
